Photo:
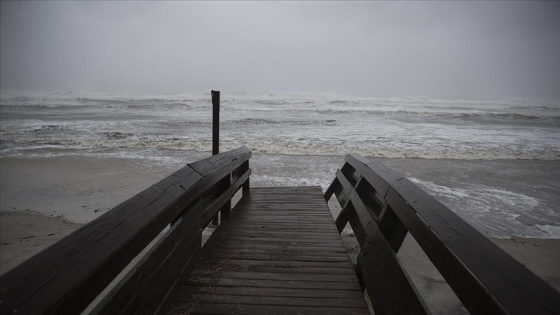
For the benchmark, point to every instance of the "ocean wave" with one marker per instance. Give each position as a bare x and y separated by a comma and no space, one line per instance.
395,114
263,121
117,135
269,102
256,121
494,211
550,231
52,128
112,140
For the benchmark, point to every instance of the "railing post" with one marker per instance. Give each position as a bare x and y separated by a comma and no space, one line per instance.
246,186
215,133
226,209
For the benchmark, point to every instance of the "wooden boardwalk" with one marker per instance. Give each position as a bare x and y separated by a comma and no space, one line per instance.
279,252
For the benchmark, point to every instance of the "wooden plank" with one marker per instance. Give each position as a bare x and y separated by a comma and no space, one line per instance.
210,210
233,231
140,279
251,264
392,228
279,226
275,292
293,219
285,239
210,308
374,291
335,185
282,236
277,276
231,266
278,252
346,185
278,300
317,215
209,165
276,257
296,243
278,247
399,292
152,296
379,179
259,283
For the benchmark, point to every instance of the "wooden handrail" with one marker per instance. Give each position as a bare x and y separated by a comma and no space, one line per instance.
71,273
382,206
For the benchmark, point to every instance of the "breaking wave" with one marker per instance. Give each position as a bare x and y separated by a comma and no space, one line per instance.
121,140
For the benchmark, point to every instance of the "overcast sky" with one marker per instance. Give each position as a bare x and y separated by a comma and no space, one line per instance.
437,49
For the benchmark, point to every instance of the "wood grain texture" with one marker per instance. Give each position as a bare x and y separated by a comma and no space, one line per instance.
67,276
258,262
484,277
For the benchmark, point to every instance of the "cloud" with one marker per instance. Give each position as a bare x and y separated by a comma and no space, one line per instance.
439,49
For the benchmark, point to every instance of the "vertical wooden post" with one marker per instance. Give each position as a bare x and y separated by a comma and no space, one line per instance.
245,187
215,133
215,122
226,209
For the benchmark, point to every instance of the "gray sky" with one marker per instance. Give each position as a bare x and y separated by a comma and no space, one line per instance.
437,49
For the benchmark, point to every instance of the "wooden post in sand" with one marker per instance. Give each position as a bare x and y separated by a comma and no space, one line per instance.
215,122
215,95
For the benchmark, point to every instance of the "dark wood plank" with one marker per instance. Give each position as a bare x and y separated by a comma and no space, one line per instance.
277,300
211,308
277,247
278,243
199,274
285,239
276,257
257,283
252,264
209,165
399,293
233,231
171,250
274,292
279,252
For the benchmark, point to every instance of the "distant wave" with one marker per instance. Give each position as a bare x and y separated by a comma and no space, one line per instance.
415,127
127,140
429,114
300,122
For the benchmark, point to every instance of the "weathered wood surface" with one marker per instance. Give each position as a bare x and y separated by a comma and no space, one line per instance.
67,276
278,252
382,206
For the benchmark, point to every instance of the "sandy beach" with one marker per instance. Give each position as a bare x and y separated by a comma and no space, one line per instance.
35,213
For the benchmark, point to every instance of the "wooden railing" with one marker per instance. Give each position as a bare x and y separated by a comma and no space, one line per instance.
383,206
69,275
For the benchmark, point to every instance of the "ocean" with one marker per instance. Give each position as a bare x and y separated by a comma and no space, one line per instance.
495,163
